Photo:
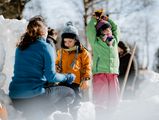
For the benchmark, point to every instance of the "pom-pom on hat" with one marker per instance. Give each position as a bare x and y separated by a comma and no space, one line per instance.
70,31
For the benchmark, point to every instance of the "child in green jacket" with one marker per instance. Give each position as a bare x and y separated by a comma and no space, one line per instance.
103,37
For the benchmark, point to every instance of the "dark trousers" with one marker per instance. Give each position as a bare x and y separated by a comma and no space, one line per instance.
73,108
40,107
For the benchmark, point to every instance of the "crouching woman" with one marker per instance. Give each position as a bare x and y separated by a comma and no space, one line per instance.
35,67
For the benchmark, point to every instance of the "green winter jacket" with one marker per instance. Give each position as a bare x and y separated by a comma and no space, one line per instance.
105,58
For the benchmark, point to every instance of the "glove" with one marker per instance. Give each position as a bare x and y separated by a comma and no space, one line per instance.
109,41
98,13
70,78
109,38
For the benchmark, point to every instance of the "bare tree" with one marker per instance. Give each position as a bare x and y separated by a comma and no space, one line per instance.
4,1
12,8
147,40
156,65
87,4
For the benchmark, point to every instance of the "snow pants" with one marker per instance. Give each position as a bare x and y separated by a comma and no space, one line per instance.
105,90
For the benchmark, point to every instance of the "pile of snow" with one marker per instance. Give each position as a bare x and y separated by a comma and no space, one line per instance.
12,113
85,112
11,30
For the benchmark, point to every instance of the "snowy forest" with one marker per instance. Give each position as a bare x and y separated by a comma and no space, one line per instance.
138,23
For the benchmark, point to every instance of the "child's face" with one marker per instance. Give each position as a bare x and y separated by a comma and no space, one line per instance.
120,51
68,42
107,32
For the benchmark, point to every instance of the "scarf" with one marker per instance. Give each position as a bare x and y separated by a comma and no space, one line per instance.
71,49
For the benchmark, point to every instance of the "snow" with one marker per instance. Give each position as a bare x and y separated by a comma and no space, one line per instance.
57,12
132,23
146,103
10,32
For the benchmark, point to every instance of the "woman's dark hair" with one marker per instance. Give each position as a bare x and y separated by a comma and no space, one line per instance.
34,30
124,46
72,36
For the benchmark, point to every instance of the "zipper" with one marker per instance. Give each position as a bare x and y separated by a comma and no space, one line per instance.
97,64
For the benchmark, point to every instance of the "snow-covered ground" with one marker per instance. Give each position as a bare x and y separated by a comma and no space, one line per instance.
146,104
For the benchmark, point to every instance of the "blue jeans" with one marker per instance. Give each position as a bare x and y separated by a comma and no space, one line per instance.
55,98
